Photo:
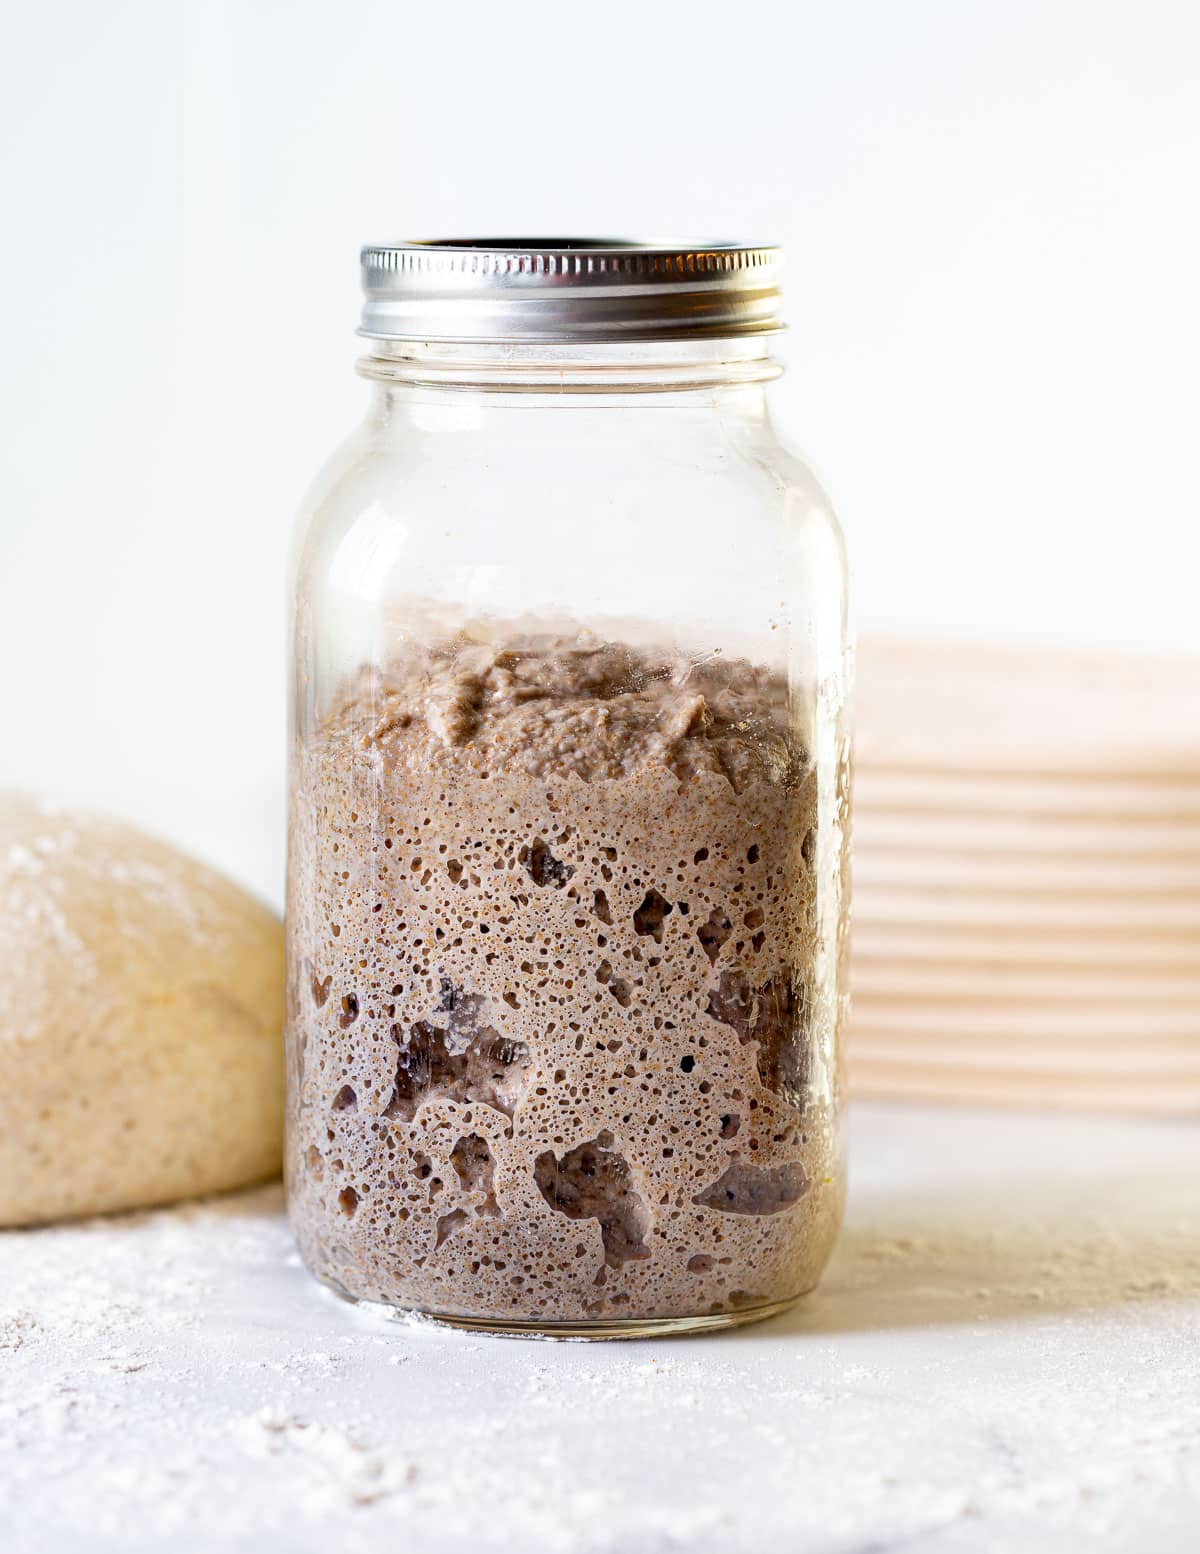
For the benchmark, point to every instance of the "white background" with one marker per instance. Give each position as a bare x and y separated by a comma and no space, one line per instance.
991,213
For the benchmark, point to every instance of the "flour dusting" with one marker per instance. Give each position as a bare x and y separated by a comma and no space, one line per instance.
1009,1359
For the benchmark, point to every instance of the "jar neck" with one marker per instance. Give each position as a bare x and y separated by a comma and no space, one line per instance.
656,367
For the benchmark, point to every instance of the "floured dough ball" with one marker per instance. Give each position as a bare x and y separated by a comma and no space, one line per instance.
141,1010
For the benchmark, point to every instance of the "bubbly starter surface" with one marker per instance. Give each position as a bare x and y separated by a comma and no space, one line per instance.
559,1049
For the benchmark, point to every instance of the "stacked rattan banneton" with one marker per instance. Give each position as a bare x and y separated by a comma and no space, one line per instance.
1027,878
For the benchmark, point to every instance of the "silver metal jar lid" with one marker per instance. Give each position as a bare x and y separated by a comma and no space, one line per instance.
569,289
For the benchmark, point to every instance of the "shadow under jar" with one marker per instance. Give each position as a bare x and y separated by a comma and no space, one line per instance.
569,808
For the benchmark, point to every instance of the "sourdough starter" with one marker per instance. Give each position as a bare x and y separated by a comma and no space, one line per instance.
558,1049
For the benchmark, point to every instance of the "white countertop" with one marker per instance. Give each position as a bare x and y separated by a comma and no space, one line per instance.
1004,1354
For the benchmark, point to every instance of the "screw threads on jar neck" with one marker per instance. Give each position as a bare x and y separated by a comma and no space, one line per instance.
595,367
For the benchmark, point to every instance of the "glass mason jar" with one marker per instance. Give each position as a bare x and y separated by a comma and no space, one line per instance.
567,891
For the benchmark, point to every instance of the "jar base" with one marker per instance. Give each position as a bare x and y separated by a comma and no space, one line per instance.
606,1329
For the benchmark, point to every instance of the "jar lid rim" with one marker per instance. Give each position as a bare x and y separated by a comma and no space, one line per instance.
542,289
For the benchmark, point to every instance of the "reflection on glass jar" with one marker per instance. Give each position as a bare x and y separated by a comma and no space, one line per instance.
569,809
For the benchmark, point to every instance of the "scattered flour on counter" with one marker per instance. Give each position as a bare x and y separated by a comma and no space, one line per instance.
350,1470
18,1328
173,1378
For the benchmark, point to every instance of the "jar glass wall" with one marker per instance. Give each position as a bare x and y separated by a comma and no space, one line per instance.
568,830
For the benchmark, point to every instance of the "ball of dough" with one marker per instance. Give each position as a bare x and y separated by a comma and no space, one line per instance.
141,1012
